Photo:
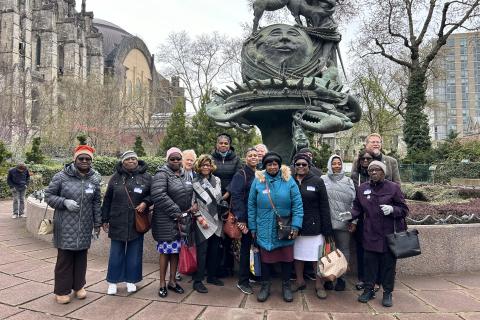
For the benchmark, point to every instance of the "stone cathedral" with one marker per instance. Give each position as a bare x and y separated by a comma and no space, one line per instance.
45,41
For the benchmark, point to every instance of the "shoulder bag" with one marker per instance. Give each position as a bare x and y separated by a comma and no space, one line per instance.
46,225
230,227
284,224
332,263
142,219
404,244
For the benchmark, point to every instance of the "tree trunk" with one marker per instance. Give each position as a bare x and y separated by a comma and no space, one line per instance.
416,131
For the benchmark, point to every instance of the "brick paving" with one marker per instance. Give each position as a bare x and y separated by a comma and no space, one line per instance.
26,285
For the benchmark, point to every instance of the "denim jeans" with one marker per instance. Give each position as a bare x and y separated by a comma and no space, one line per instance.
125,262
18,201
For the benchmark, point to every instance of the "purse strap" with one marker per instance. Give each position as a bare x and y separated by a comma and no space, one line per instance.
45,213
270,198
128,194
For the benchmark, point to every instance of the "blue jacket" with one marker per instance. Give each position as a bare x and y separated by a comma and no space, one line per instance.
18,180
286,198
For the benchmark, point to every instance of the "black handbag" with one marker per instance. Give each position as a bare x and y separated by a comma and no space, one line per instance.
284,224
404,244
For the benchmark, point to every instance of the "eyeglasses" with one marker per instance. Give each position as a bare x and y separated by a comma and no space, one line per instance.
175,159
366,158
206,165
86,159
301,164
374,170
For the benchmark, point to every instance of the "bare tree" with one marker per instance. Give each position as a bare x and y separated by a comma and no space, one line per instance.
410,33
200,62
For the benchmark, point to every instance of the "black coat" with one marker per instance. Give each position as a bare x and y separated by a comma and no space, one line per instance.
117,210
226,167
171,196
316,210
240,189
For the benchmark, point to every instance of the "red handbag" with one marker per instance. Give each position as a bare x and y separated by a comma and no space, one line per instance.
187,263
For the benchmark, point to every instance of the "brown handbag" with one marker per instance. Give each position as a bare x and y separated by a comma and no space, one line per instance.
142,219
230,227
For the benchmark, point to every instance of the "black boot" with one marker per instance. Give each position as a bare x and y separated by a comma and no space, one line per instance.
287,291
366,296
264,293
387,299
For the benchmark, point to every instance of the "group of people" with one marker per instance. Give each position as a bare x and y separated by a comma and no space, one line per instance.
190,197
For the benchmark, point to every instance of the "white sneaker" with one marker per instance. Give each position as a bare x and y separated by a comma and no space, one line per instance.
131,287
23,215
14,216
112,289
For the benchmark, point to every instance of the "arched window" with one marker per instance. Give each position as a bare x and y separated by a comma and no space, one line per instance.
38,52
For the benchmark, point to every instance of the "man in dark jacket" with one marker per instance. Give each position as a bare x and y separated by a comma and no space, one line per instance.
382,205
18,179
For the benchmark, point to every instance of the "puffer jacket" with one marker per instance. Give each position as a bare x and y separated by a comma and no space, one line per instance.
341,193
226,167
287,200
73,230
171,196
316,209
117,210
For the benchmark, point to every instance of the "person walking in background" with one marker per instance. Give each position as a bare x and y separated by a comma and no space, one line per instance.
74,193
373,145
172,200
18,179
382,204
341,193
261,151
128,192
316,222
239,190
227,164
208,226
271,188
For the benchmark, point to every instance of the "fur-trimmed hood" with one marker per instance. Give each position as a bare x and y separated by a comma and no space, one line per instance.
284,170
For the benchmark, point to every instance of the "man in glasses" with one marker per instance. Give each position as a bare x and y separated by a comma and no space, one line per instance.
373,145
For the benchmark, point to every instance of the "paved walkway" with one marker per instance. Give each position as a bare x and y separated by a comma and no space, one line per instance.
26,277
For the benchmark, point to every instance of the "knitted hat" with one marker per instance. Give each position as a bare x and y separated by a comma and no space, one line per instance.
302,156
378,164
270,157
128,154
173,150
83,149
304,150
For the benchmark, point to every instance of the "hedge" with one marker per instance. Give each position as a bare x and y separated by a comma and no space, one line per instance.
445,171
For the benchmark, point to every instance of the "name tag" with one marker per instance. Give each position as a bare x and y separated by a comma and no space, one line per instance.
367,192
89,190
310,188
188,182
137,190
265,191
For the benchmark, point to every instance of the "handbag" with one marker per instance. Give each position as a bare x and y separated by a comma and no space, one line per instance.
284,224
333,264
404,244
46,225
142,219
187,260
230,227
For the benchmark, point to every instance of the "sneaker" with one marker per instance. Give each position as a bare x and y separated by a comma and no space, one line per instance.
366,296
15,216
321,293
112,289
245,288
216,282
81,294
387,299
199,287
131,287
178,277
62,299
23,215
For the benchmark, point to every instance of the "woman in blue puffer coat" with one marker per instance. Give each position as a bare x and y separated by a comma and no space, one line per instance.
271,188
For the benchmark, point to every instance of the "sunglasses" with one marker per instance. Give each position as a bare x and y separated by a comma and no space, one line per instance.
374,170
365,158
86,159
301,164
175,159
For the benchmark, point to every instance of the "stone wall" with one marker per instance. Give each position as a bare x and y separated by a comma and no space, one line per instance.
445,249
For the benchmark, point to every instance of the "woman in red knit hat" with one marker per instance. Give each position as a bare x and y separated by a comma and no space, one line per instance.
74,193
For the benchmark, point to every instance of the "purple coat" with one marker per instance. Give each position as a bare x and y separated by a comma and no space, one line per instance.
376,225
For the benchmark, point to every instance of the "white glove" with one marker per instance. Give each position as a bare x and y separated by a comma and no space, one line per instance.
386,209
345,216
71,205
